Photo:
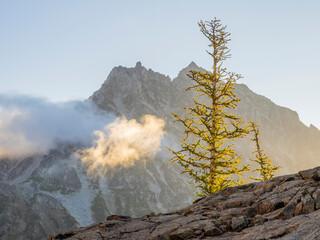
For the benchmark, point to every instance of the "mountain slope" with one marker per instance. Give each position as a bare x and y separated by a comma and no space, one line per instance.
43,195
285,138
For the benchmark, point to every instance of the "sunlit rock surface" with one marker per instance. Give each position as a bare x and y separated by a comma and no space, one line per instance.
285,207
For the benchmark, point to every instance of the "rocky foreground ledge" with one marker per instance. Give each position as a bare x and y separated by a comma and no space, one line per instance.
286,207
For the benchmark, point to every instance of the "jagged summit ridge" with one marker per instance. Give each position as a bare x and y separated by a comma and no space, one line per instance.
128,88
129,71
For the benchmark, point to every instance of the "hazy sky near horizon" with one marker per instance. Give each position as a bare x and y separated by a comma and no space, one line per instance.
64,50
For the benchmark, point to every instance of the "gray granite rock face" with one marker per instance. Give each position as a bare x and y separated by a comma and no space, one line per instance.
134,92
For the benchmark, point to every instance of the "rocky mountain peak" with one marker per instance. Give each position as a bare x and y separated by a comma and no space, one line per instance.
192,65
127,88
182,80
136,91
138,64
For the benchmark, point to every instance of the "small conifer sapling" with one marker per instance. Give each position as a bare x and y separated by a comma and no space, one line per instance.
265,169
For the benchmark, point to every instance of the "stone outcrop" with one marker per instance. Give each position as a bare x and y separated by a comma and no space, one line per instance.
286,207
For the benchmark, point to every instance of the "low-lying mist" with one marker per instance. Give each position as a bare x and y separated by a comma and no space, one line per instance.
31,126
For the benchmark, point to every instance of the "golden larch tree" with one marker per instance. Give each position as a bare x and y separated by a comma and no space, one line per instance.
207,152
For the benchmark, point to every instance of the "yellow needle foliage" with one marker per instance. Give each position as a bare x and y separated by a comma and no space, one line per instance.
207,153
265,169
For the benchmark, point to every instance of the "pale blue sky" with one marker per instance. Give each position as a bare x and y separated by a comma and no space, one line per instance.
64,50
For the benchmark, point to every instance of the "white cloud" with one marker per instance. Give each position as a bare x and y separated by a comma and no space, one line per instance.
123,142
30,125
